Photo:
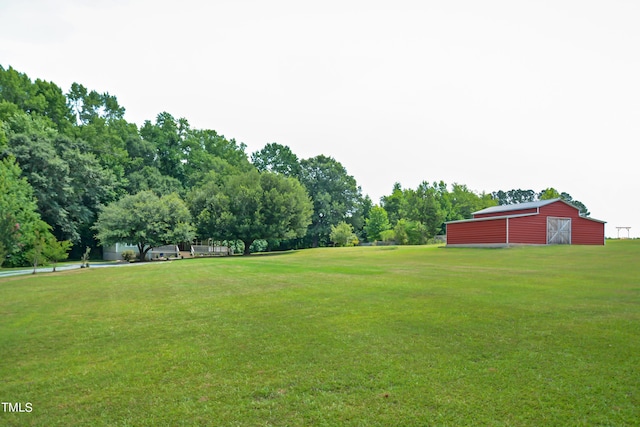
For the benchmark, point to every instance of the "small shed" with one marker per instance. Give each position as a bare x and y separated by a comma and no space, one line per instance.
544,222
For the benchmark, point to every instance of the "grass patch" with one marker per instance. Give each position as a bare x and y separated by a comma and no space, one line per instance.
351,336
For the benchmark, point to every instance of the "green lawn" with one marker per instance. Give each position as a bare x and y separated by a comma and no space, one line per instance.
529,336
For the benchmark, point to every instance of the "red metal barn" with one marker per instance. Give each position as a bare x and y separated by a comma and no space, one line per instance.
544,222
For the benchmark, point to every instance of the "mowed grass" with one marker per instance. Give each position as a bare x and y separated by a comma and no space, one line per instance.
378,336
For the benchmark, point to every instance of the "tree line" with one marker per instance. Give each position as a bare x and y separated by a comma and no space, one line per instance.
75,174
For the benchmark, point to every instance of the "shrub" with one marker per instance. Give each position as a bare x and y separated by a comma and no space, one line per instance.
128,255
342,235
388,236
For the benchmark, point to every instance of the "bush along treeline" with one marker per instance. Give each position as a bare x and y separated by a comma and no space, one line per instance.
76,176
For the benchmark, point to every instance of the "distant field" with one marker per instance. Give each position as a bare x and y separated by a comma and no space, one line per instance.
380,336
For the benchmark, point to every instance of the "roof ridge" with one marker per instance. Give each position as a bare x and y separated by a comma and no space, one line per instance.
517,206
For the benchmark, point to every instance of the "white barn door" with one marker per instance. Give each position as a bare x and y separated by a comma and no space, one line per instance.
558,231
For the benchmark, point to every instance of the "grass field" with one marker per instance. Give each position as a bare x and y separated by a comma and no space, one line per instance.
381,336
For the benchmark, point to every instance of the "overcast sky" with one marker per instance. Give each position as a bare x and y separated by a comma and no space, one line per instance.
492,94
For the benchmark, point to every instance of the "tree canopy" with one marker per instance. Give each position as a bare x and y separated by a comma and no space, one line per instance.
251,206
22,231
334,192
72,162
18,216
145,220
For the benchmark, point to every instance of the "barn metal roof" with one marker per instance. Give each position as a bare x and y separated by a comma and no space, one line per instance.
516,207
491,218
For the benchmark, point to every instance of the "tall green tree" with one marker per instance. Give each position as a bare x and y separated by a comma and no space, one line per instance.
150,178
394,204
251,206
276,158
423,206
68,182
18,213
334,193
377,222
206,150
145,220
463,202
514,196
39,98
168,135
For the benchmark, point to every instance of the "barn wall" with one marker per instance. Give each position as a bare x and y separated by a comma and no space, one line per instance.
480,232
583,231
528,230
587,232
559,209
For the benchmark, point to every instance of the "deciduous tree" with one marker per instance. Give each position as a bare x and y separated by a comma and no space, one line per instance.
343,235
251,206
56,250
334,193
18,213
276,158
377,222
145,220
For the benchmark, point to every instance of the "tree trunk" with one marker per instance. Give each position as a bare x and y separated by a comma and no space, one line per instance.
247,246
141,252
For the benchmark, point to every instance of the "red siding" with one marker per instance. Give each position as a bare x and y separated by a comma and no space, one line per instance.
478,232
559,209
583,231
530,229
587,232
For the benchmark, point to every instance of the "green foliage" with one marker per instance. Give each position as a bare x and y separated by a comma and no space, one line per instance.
513,196
334,193
425,209
44,247
377,222
128,255
40,98
150,178
250,206
394,204
145,220
206,151
35,253
463,202
549,194
259,245
68,183
278,159
343,235
407,232
77,153
18,214
167,135
56,251
388,236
